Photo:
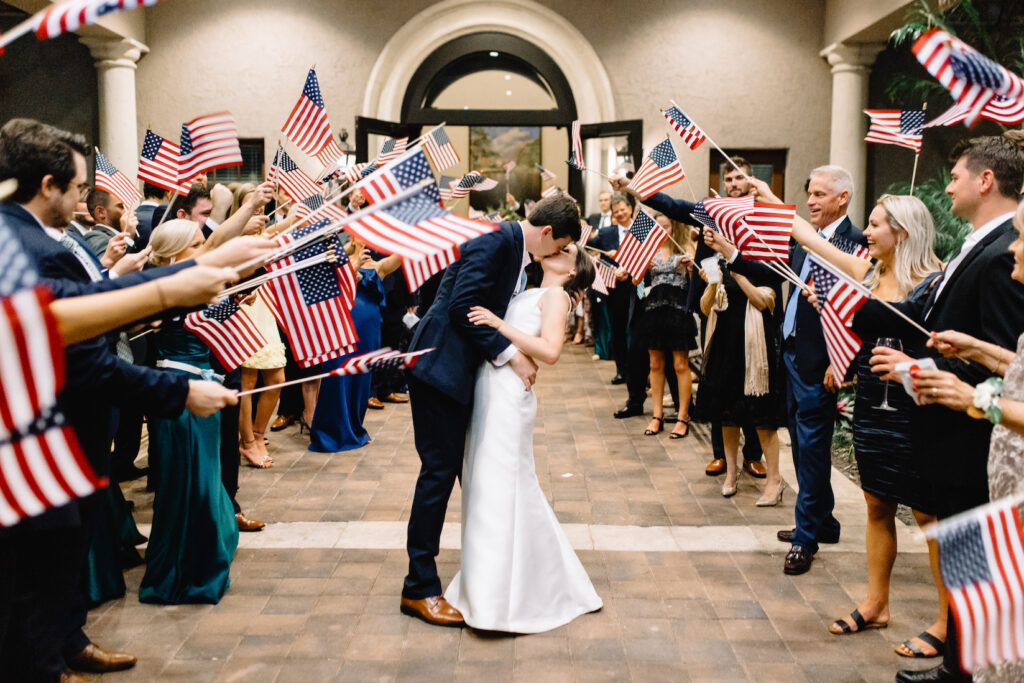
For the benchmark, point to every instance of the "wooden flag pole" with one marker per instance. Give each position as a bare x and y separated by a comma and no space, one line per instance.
170,204
917,157
713,144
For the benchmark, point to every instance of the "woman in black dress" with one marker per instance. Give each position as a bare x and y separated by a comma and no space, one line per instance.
900,233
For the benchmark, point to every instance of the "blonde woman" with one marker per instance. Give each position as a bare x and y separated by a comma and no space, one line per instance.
900,233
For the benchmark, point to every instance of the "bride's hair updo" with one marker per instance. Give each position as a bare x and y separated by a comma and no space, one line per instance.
585,273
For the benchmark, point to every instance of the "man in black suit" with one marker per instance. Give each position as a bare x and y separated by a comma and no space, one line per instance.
810,383
488,273
619,299
45,599
153,197
976,296
603,218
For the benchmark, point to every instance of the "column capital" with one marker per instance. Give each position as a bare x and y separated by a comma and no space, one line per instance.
115,52
856,57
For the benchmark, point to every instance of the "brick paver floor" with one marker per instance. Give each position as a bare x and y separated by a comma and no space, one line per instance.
692,582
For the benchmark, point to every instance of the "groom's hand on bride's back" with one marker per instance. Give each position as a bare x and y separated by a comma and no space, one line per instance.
525,369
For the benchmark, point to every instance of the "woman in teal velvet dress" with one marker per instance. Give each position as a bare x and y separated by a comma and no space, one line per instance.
341,406
194,533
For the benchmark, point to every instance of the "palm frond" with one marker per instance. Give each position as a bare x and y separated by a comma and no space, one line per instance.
950,230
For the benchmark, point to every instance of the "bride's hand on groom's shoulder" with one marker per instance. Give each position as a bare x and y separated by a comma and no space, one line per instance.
478,315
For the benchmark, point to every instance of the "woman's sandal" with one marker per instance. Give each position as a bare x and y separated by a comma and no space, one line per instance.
916,652
839,627
661,425
263,464
677,435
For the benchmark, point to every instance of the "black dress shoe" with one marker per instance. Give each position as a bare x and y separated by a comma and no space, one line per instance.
798,560
629,411
618,379
786,536
938,673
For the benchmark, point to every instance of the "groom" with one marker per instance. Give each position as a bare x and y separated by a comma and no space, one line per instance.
488,273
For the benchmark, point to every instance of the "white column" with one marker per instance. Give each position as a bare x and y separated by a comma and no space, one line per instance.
851,66
115,67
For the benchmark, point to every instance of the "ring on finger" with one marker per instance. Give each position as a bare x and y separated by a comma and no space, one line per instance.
934,391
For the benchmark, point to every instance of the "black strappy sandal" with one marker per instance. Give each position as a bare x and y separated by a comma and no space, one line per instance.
661,426
840,627
676,435
918,653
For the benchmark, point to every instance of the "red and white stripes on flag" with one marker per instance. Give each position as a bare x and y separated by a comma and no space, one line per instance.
111,180
998,109
725,214
765,232
839,298
426,236
307,125
73,14
291,178
41,464
550,191
660,169
313,203
331,153
404,172
440,149
381,358
576,155
585,231
981,554
229,332
896,127
605,279
972,79
208,143
689,131
640,245
158,164
391,150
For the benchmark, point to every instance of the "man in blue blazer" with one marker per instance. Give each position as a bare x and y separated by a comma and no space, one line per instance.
811,386
488,273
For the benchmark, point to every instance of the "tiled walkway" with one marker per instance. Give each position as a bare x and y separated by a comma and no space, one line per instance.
692,582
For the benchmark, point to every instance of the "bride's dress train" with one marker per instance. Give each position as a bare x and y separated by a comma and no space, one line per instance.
519,574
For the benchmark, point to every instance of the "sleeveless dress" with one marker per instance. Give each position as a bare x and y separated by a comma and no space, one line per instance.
666,325
881,439
271,356
519,574
194,533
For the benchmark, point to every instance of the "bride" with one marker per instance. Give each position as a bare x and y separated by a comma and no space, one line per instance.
519,574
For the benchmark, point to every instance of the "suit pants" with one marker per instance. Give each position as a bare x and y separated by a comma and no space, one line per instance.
439,424
229,457
618,314
811,420
751,442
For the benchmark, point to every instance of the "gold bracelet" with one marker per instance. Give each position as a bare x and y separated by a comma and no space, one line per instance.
160,295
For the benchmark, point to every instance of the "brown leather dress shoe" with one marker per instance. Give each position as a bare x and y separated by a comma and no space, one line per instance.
433,610
755,468
715,467
246,524
396,398
375,403
95,659
798,560
282,422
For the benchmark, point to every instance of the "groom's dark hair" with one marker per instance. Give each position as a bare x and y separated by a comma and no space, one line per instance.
560,212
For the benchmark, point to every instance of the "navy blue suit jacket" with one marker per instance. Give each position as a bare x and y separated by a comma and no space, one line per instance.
811,354
486,274
145,228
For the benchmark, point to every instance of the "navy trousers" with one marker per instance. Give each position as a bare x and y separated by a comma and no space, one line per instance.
439,423
811,421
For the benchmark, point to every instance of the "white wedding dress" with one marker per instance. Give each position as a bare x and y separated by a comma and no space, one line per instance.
519,574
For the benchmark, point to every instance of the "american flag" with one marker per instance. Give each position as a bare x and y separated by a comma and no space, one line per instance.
545,174
384,358
314,203
331,154
605,279
444,186
1000,109
158,164
440,150
108,178
426,236
850,247
689,131
981,555
576,155
508,169
764,234
896,127
493,217
972,79
307,125
314,305
660,169
354,172
724,214
391,150
475,181
73,14
399,175
550,191
41,463
640,245
207,143
291,178
229,332
16,270
839,298
585,231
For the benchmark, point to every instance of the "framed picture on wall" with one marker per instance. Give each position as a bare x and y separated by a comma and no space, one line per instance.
491,147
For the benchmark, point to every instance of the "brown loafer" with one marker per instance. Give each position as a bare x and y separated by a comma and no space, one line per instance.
715,467
96,660
755,468
246,524
282,422
433,610
396,398
375,403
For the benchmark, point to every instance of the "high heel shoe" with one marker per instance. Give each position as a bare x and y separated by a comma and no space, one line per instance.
262,463
766,502
730,491
303,426
661,425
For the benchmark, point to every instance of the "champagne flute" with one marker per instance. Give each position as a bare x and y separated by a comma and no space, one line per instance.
890,343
